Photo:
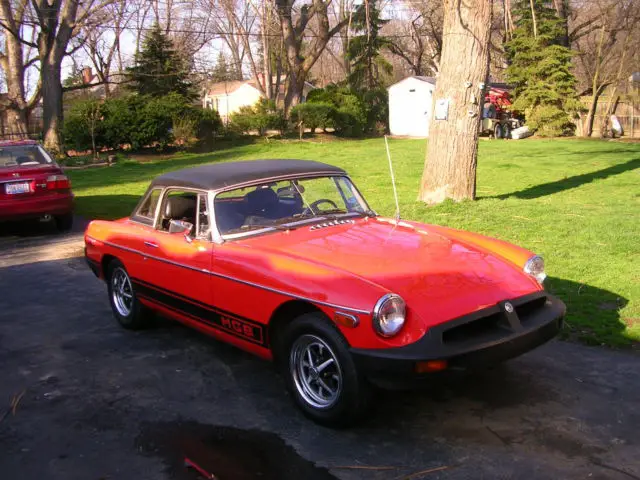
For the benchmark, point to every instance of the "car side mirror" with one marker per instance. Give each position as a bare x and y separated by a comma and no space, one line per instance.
182,227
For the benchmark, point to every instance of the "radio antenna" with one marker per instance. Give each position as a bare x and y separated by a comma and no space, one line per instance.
393,180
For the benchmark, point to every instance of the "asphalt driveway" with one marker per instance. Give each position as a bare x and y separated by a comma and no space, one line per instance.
93,401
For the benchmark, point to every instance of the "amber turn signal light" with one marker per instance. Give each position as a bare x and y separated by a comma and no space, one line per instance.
346,319
431,366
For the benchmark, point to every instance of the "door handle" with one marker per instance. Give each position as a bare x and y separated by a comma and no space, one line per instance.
151,244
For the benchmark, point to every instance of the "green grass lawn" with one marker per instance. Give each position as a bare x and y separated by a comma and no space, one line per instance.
575,202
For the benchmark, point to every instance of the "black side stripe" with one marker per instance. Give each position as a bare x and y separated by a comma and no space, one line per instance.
227,322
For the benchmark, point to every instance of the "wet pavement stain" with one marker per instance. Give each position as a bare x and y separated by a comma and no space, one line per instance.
226,452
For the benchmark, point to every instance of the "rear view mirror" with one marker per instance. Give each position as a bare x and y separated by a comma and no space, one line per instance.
180,226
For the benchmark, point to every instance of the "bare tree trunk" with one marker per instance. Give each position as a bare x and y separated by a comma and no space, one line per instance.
562,9
52,106
450,168
14,62
300,60
593,106
535,21
596,88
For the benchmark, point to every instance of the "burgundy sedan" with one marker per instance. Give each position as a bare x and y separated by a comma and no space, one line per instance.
33,186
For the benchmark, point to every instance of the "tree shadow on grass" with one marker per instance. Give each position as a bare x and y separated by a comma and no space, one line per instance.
108,207
571,182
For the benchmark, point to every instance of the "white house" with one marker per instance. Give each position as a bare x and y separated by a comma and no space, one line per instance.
410,106
227,97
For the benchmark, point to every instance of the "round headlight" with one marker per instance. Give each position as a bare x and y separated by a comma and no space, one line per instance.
535,268
388,315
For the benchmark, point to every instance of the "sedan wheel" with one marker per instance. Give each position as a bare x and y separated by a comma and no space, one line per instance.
315,371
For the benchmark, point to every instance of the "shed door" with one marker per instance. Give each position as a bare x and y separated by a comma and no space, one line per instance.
421,112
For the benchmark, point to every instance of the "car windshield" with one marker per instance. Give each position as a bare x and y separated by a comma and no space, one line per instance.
22,156
285,204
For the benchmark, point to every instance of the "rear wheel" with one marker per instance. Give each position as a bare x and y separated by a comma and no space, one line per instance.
64,223
497,131
126,307
320,373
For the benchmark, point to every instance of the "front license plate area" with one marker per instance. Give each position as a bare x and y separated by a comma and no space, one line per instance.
17,188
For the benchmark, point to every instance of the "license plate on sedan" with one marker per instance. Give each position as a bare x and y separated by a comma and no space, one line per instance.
15,188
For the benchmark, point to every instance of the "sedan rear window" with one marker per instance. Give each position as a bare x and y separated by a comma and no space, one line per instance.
23,156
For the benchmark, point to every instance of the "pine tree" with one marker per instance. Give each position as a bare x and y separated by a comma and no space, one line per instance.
159,69
221,72
368,66
540,69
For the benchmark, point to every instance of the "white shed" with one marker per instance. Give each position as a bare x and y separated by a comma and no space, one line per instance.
410,106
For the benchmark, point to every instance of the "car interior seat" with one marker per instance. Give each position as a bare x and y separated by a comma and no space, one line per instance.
180,207
262,202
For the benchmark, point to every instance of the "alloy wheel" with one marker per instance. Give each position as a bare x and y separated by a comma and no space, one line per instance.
121,292
316,371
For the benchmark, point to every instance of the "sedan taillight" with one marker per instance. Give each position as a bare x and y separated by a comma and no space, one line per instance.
58,182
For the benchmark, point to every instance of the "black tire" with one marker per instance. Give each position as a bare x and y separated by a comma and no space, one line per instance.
506,132
138,315
497,131
64,223
353,398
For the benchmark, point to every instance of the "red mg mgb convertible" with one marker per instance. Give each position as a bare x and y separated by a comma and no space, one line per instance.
285,259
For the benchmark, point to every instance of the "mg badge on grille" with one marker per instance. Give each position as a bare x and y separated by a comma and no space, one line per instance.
508,307
16,174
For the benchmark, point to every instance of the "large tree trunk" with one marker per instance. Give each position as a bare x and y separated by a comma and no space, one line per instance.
14,63
450,169
52,107
301,58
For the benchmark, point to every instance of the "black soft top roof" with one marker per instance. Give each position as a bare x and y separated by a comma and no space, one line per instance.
229,174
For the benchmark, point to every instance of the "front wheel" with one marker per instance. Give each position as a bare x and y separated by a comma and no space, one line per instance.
321,375
126,307
506,132
497,131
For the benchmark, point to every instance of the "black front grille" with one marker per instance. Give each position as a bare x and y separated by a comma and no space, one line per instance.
494,325
526,310
482,327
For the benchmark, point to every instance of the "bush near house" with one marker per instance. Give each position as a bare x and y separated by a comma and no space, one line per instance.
314,115
140,121
357,112
262,116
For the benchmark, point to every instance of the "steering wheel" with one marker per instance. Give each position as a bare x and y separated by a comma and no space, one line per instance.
313,207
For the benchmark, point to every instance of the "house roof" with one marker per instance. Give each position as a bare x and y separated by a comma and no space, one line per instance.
220,175
226,88
222,88
431,80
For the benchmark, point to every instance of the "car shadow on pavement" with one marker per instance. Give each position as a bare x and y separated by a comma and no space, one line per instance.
27,229
594,315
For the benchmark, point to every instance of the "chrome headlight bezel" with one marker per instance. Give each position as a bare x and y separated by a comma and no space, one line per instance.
535,268
383,328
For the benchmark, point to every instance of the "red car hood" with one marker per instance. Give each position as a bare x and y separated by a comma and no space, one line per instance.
440,278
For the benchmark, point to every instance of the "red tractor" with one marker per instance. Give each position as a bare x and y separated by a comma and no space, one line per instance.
497,117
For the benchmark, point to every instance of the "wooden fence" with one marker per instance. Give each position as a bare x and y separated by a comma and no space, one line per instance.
628,114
